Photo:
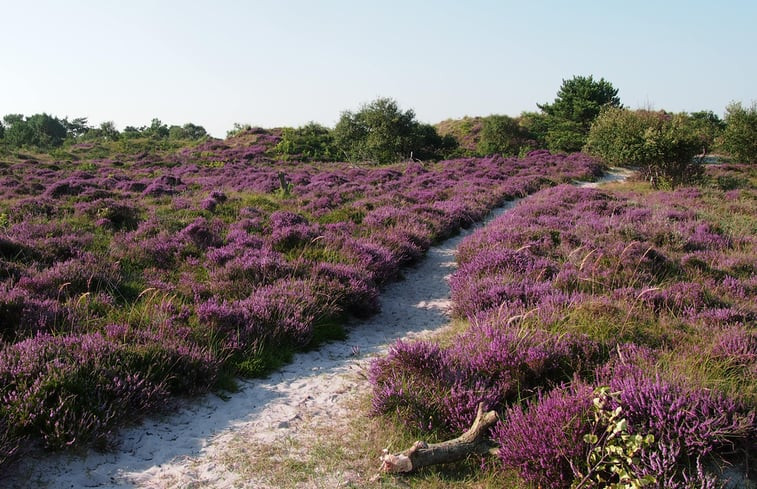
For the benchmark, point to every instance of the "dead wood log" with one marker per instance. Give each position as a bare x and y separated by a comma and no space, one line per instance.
421,454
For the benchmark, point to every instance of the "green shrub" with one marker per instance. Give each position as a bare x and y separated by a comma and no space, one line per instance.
382,133
661,145
501,134
312,142
739,139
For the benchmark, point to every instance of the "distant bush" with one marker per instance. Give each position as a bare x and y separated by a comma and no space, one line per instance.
382,133
493,134
312,142
501,134
660,144
187,131
739,138
534,124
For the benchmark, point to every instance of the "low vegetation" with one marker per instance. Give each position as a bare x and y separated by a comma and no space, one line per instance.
590,310
132,280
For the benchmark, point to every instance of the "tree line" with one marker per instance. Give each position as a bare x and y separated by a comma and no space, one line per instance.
46,132
586,115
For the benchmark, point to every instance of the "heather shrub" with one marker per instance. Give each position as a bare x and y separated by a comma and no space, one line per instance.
289,230
666,271
75,276
111,213
248,269
638,428
489,363
688,424
350,288
362,253
202,234
48,242
411,381
543,440
24,314
62,390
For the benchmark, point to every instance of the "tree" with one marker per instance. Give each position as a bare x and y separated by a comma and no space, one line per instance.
707,127
40,130
131,132
534,125
49,131
739,138
383,133
157,130
2,131
187,131
661,145
193,131
76,128
109,132
238,129
569,118
17,133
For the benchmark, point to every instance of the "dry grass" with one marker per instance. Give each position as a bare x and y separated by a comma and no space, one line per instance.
346,455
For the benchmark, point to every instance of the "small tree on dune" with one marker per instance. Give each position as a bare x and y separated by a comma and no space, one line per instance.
579,101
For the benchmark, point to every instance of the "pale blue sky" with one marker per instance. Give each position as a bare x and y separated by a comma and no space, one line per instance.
275,63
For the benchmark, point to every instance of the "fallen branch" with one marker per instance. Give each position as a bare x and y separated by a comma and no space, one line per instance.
421,454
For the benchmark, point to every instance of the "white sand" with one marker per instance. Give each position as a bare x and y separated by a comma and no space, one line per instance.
186,449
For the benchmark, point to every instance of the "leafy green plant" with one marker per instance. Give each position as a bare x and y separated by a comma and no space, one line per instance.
613,450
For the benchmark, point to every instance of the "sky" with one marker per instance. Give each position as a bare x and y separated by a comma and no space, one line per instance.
288,62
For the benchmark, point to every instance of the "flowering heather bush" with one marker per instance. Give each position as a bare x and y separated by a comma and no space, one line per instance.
289,230
74,389
350,288
25,314
689,423
247,269
9,443
587,243
433,388
543,439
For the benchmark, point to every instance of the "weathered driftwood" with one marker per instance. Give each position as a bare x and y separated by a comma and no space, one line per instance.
421,454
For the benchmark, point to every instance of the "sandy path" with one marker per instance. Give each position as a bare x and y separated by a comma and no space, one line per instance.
186,449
